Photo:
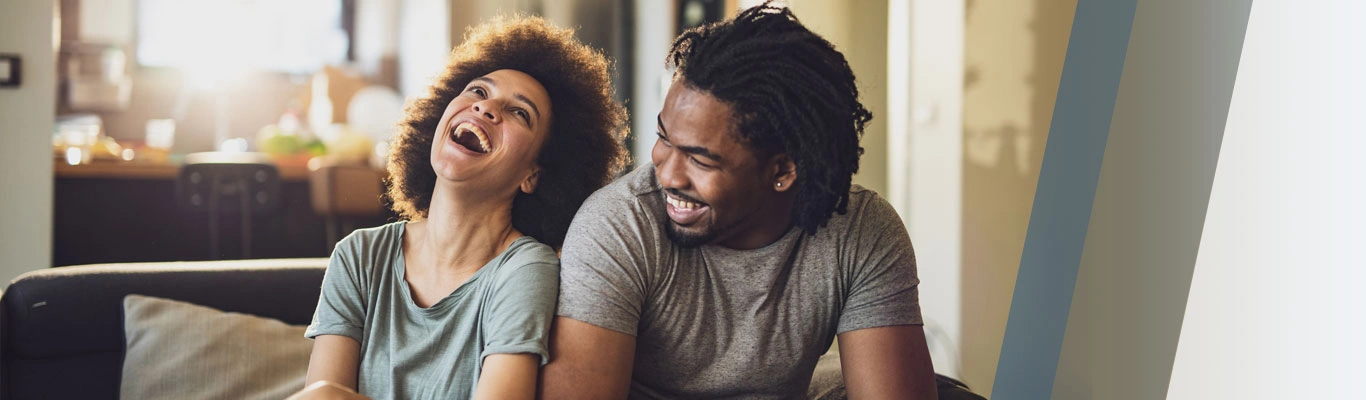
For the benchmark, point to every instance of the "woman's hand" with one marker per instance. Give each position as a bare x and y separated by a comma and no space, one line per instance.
327,390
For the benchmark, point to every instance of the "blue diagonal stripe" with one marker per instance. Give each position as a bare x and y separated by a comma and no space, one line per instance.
1062,202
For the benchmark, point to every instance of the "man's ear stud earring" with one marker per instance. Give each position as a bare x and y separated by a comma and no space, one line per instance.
780,184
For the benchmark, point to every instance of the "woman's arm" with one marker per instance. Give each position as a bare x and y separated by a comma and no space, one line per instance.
338,321
508,376
516,324
335,359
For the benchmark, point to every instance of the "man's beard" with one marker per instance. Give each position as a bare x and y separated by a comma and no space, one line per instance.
687,240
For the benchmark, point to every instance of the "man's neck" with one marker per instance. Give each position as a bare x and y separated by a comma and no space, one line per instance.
763,227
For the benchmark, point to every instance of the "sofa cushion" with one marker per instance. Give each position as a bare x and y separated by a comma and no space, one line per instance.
179,350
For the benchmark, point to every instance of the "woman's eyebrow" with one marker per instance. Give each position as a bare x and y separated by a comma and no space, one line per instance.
529,103
518,96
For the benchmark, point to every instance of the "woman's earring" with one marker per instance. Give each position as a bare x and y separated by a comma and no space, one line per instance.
780,184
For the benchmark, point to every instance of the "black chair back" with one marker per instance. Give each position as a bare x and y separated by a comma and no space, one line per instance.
217,184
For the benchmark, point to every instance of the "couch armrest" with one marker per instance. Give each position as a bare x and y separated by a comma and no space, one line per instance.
61,329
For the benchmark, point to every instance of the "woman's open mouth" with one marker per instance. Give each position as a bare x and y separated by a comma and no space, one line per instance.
471,136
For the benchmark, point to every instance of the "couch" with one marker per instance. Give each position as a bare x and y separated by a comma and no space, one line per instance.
61,329
62,333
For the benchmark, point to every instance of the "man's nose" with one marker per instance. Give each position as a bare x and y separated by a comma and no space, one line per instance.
670,174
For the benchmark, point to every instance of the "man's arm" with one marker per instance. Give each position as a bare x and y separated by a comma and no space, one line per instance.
588,362
890,362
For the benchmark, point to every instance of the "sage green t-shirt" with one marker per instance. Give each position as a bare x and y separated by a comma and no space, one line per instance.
409,352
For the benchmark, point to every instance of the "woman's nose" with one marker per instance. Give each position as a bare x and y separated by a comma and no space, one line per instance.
484,110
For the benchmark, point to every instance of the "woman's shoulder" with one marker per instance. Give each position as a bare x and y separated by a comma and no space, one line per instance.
526,256
527,250
367,246
366,237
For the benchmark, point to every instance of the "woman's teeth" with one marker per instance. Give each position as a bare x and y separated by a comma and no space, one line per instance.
468,128
681,203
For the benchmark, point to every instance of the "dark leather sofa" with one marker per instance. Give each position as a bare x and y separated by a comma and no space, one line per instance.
61,329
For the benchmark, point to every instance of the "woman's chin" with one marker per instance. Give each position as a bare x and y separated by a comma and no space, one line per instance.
447,169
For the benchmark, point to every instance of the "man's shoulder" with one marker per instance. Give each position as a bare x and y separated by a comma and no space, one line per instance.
865,205
638,182
627,196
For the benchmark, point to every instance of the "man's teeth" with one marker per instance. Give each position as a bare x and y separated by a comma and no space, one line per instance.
478,133
681,203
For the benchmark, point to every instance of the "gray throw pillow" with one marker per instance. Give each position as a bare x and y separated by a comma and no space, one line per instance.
178,350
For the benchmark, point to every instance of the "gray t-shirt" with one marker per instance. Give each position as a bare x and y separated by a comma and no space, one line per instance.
409,352
713,322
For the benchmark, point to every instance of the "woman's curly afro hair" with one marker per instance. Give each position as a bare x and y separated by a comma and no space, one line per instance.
583,152
790,91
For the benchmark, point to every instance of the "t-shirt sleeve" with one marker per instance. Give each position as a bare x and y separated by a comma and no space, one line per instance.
882,278
601,269
341,304
521,306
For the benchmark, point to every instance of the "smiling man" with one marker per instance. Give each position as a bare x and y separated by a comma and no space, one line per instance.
727,267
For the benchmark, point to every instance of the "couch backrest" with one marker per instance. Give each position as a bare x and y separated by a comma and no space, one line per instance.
61,329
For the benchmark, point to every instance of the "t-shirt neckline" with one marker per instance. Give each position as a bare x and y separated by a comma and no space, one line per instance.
459,292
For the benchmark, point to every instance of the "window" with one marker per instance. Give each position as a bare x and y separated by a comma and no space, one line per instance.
223,37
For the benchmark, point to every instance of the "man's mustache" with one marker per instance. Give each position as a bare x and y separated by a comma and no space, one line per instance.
679,195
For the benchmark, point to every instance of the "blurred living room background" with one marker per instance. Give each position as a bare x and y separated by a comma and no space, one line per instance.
147,94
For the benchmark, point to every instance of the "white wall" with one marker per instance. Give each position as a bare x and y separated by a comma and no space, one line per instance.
26,118
107,21
424,43
858,29
925,156
429,29
654,33
1276,306
376,37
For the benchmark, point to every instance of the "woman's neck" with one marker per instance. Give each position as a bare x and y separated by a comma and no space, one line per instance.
463,232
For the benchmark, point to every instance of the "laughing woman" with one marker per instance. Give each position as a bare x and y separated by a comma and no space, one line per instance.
456,300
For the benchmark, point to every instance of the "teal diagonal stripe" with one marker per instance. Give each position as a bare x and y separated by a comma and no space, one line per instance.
1148,216
1062,202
